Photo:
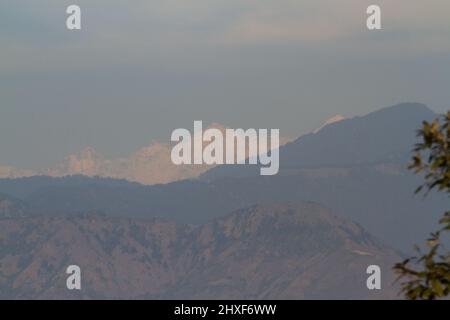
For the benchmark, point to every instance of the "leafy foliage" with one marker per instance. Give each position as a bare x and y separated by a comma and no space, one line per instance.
428,274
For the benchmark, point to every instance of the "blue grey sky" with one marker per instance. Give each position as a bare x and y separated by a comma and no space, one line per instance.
139,69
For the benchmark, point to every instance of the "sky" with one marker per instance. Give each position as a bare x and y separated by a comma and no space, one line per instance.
140,69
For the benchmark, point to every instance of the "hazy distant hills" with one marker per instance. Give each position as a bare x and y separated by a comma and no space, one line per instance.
376,192
11,172
381,201
385,136
292,251
149,165
179,240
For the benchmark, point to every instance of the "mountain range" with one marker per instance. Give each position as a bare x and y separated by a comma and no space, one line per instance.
376,191
343,200
149,165
281,251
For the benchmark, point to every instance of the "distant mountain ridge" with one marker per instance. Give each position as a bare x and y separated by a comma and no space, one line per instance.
377,193
278,251
179,239
12,172
149,165
336,118
383,136
386,135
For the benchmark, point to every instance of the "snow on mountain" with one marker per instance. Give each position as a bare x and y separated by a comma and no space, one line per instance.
332,120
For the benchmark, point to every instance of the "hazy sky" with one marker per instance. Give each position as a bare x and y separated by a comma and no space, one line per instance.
139,69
